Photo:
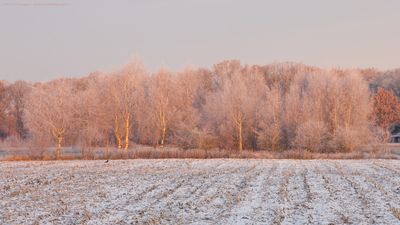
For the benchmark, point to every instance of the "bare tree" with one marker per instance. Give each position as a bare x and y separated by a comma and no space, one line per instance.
163,102
312,136
338,100
277,106
17,93
234,106
185,129
126,90
50,111
91,124
269,122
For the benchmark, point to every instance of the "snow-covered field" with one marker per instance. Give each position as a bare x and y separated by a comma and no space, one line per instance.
218,191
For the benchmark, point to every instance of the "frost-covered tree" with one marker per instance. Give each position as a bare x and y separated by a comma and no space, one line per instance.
51,111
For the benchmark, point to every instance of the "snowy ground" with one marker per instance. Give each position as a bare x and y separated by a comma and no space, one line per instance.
219,191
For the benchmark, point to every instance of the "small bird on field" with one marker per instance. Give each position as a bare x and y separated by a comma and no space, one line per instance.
106,161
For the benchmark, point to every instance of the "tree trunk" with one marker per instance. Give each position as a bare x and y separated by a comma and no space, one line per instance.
163,133
59,140
117,135
240,136
163,129
335,124
127,126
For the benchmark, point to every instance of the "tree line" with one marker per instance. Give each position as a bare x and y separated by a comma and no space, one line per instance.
230,106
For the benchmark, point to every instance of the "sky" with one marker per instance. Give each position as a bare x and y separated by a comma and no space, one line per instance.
47,39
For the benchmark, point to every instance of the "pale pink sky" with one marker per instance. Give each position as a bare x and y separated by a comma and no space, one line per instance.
42,40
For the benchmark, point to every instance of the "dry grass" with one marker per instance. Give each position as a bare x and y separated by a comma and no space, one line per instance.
145,152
